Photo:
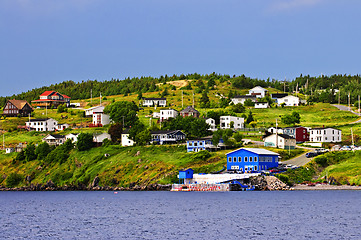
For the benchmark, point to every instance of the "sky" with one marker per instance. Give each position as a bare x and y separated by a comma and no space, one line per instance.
44,42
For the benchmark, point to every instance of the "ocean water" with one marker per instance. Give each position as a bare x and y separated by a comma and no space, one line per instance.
181,215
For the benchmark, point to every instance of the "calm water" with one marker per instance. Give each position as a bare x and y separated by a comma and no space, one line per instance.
187,215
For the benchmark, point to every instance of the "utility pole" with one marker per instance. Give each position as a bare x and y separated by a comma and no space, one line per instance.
100,98
4,141
353,144
91,95
182,99
349,108
359,105
276,134
339,96
193,98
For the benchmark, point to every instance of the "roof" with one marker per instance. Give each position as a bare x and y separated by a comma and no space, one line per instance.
65,96
168,109
259,88
154,99
99,106
285,136
57,136
325,128
261,102
189,109
259,151
279,95
245,96
165,131
48,100
47,93
291,96
39,120
19,104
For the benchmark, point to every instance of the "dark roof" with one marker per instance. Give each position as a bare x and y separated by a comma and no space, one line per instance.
39,120
57,136
260,102
189,109
245,96
279,95
154,98
324,128
165,132
285,136
19,104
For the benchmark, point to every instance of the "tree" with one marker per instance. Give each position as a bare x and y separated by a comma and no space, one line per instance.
204,100
140,95
253,124
291,119
135,129
29,152
115,132
249,103
249,117
165,92
237,136
61,108
85,141
20,156
199,128
224,102
123,111
238,108
143,138
42,150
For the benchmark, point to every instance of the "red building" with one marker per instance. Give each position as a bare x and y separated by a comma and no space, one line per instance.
301,134
51,99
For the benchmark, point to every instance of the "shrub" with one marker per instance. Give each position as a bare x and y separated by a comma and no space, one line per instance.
13,180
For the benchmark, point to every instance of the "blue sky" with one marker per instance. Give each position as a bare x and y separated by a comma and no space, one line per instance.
44,42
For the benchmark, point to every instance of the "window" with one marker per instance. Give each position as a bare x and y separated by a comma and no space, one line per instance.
246,159
255,168
230,159
255,159
195,144
250,159
234,159
190,144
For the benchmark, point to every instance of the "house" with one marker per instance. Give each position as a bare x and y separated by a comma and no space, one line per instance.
54,139
196,145
9,150
225,122
156,114
186,175
258,91
51,99
241,99
251,159
89,112
189,112
14,108
156,102
98,138
276,96
72,136
166,114
261,105
289,101
42,125
61,127
280,141
212,123
126,141
325,135
299,133
275,130
167,136
100,119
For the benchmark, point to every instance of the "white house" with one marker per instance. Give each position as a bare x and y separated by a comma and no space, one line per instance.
325,135
9,150
258,91
72,136
242,99
89,112
274,130
150,102
280,140
225,122
212,124
126,141
261,105
289,101
165,114
61,127
54,139
100,118
156,114
98,138
41,125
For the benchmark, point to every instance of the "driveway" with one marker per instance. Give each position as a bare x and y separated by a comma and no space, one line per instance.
298,161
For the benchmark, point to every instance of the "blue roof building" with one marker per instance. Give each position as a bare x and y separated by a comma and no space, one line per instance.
196,145
252,159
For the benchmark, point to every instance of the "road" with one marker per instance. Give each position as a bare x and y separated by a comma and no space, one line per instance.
298,161
345,108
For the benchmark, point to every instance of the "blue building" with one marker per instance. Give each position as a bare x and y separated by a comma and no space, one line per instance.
205,143
251,159
186,174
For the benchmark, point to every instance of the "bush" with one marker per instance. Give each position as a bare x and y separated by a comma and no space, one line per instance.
13,180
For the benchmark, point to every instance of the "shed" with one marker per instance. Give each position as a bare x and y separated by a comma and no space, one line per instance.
186,173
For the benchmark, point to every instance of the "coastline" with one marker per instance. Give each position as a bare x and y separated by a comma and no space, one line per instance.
303,187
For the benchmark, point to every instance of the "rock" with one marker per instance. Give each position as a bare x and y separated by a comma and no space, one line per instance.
138,153
28,178
95,182
50,184
139,160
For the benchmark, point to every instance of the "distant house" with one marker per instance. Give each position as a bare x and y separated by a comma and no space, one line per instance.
54,139
100,119
98,138
251,159
72,136
225,122
212,123
167,136
258,91
276,96
51,99
166,114
157,102
14,108
280,141
89,112
289,101
325,135
299,133
42,125
61,127
126,141
261,105
189,112
196,145
241,99
9,150
274,130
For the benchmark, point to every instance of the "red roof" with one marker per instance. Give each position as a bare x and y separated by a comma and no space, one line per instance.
47,93
65,96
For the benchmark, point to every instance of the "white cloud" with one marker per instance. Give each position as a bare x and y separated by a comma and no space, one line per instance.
287,5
